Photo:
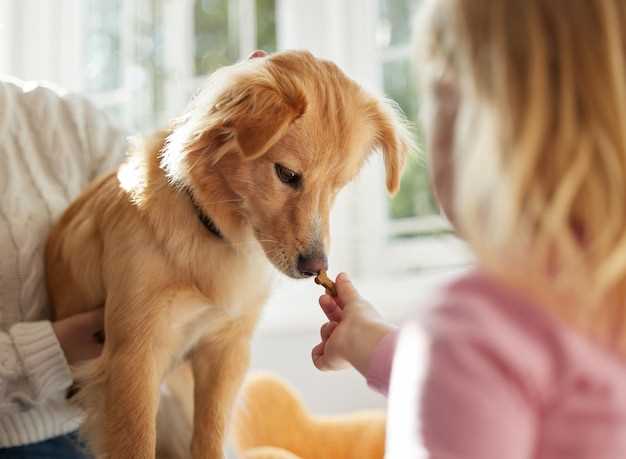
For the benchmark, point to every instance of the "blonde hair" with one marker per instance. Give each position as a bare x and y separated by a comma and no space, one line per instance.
540,143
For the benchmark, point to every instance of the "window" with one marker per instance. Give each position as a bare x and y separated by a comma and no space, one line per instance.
142,60
414,210
419,237
157,53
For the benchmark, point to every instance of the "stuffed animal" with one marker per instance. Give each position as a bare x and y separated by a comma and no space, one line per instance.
271,422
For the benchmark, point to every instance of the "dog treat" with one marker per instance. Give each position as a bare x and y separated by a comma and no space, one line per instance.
322,279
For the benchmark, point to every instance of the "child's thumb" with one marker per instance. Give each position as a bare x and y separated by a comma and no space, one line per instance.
346,293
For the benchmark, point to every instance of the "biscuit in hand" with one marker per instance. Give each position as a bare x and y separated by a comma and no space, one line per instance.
324,280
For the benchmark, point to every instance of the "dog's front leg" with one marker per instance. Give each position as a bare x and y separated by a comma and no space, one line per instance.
138,351
131,404
218,369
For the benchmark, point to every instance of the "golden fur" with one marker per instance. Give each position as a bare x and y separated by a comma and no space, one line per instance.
271,422
172,291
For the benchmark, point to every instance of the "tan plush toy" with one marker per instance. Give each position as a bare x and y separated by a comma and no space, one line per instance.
271,422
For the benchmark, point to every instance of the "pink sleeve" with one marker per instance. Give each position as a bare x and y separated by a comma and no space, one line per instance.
473,404
487,366
379,368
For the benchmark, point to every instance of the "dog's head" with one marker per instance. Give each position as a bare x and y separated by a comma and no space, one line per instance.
282,134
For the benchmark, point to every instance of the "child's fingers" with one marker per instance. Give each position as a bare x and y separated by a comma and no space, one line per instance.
322,361
317,354
331,308
318,350
327,329
346,293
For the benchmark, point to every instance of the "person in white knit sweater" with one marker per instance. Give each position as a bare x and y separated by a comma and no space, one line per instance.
52,144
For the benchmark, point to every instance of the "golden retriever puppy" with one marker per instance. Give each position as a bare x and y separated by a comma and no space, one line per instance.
179,243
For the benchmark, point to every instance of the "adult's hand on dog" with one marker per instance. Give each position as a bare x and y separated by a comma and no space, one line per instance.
80,336
353,330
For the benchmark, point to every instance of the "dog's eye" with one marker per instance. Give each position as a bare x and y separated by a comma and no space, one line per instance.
288,176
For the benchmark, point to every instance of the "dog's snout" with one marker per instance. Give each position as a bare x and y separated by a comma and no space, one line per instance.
311,265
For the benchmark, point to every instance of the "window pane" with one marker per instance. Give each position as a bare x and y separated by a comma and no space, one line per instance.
147,75
125,50
400,84
103,22
266,25
214,48
395,21
414,197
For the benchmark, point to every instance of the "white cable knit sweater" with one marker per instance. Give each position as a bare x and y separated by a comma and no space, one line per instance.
51,145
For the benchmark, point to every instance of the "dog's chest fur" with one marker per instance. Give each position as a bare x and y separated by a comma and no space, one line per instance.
227,293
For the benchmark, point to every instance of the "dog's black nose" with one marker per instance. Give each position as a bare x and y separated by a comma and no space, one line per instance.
311,265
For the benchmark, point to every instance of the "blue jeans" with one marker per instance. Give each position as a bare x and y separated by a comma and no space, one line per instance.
63,447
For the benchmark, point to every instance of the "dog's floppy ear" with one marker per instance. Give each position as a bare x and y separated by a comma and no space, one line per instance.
244,110
251,112
395,139
258,115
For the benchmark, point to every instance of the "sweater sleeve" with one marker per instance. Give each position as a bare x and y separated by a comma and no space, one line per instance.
379,368
473,404
467,383
74,143
32,365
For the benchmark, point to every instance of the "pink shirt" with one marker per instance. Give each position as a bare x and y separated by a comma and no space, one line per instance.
495,377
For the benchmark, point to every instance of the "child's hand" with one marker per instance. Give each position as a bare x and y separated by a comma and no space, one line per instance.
353,331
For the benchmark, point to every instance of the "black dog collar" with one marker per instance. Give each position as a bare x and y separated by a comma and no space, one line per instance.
205,220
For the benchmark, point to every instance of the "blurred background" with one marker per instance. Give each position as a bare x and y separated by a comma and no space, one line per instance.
142,60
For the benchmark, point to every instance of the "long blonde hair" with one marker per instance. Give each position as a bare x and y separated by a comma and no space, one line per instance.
540,143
